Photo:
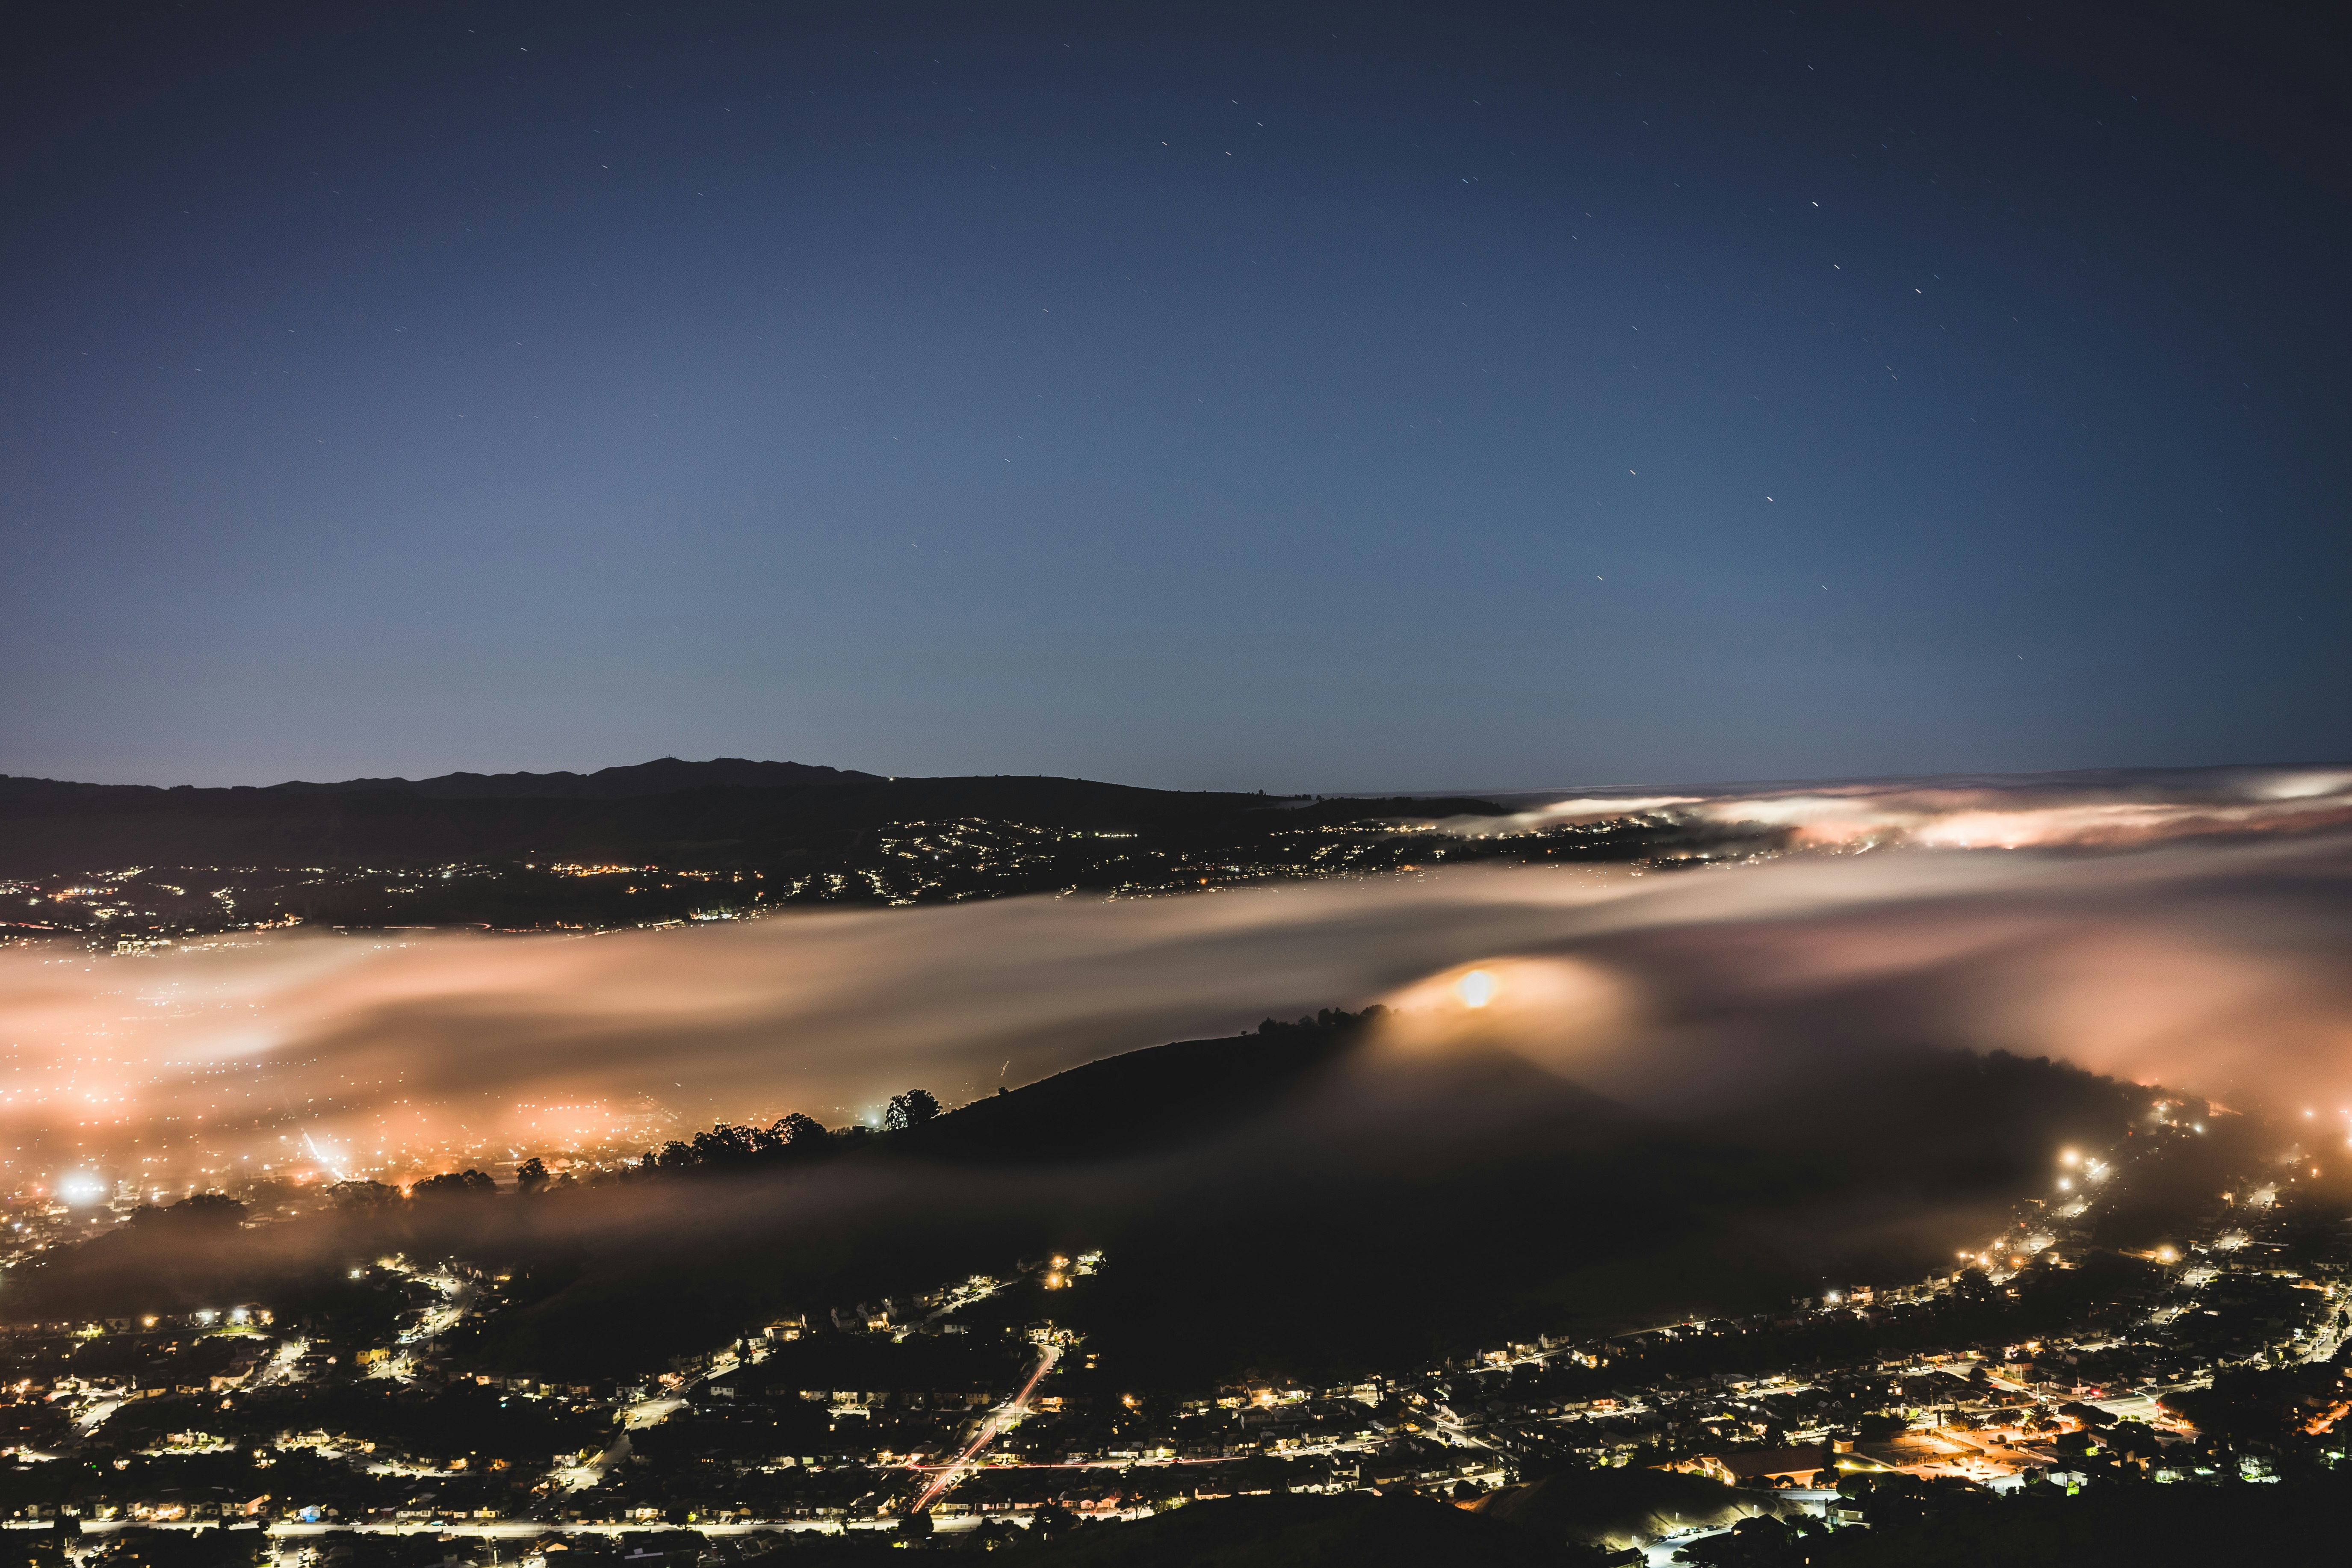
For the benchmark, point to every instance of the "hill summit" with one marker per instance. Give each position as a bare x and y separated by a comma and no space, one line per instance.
663,775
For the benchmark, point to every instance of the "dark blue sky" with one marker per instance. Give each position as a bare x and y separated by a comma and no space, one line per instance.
1408,397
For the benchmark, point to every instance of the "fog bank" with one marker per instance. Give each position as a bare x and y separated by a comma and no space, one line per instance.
2212,959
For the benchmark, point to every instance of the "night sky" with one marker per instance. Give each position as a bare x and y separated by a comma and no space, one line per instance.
1411,397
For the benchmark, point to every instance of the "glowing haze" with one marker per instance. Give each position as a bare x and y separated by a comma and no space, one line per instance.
2085,810
2208,956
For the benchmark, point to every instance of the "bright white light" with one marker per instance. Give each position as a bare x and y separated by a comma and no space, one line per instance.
2063,1184
81,1187
1475,988
2069,1157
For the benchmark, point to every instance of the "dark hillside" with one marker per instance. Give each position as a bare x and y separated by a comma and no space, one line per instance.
1143,1100
44,830
1308,1200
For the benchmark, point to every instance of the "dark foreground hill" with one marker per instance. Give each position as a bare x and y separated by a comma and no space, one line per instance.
1160,1098
1307,1201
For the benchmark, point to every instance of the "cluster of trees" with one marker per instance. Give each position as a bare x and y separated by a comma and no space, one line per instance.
2272,1408
1325,1020
725,1148
366,1194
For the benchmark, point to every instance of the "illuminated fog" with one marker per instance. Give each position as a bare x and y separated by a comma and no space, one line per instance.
2209,954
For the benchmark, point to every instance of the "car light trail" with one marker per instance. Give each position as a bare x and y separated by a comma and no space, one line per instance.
998,1419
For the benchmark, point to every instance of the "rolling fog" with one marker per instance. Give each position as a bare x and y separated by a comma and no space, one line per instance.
2190,929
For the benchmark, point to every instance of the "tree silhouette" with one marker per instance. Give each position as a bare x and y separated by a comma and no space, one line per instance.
363,1195
472,1184
803,1134
727,1145
205,1212
911,1108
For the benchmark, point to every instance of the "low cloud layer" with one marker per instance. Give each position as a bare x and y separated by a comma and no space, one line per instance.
2205,956
2104,809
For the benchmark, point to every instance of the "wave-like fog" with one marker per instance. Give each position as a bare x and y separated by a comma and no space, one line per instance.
2106,809
2213,957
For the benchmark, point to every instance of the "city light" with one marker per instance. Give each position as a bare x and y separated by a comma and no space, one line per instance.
2144,1333
81,1187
